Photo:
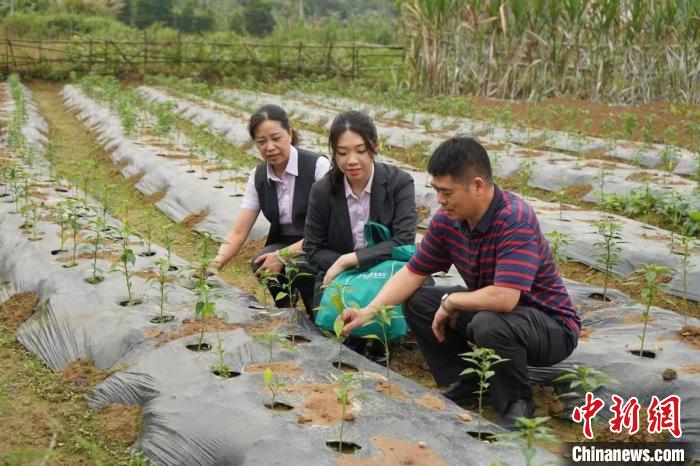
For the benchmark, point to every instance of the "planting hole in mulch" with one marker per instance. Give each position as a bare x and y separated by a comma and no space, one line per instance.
345,367
172,268
390,389
346,448
645,353
235,195
431,402
197,347
599,297
130,302
95,280
297,339
70,265
691,335
191,171
36,239
25,226
61,190
218,186
147,253
4,194
278,406
164,319
227,375
56,252
486,437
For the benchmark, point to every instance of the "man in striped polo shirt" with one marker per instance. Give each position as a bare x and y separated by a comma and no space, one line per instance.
514,302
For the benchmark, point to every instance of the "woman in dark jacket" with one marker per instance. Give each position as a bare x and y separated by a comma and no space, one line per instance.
279,187
357,189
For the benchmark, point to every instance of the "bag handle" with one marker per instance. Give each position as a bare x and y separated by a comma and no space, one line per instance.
381,230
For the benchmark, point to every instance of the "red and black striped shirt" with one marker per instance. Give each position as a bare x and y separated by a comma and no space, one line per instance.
505,249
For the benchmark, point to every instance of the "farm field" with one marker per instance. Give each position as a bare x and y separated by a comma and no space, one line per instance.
115,192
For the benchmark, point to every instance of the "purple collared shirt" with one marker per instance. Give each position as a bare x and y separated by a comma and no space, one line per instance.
284,188
358,208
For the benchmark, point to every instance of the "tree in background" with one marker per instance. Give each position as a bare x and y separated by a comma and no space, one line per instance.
148,12
257,18
192,20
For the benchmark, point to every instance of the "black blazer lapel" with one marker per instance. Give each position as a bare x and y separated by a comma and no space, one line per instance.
379,192
340,223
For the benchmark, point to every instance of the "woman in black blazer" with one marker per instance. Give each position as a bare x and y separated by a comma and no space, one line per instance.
355,190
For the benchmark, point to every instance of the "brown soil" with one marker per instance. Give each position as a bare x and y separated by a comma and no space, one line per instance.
391,390
586,333
527,153
320,406
250,248
423,212
120,422
146,274
155,197
690,335
290,368
82,375
132,180
108,256
641,176
655,236
16,309
263,326
690,368
194,327
153,332
669,374
431,402
193,219
411,364
546,402
396,452
601,432
635,319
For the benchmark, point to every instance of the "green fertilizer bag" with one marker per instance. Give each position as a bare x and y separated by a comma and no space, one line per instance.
361,286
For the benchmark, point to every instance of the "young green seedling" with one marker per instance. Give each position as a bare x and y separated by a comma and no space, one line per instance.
126,259
531,430
272,382
97,226
610,246
168,242
557,241
75,226
348,385
149,232
526,167
291,272
205,307
688,243
385,315
271,339
221,369
163,278
654,274
267,278
602,177
584,379
484,359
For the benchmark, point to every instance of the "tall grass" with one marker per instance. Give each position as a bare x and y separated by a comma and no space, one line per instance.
621,50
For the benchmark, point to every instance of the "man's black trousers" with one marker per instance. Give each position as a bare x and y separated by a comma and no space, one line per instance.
524,336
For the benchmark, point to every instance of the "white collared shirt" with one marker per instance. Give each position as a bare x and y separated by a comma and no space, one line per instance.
358,208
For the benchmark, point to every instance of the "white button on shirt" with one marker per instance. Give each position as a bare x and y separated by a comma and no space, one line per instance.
284,187
358,208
